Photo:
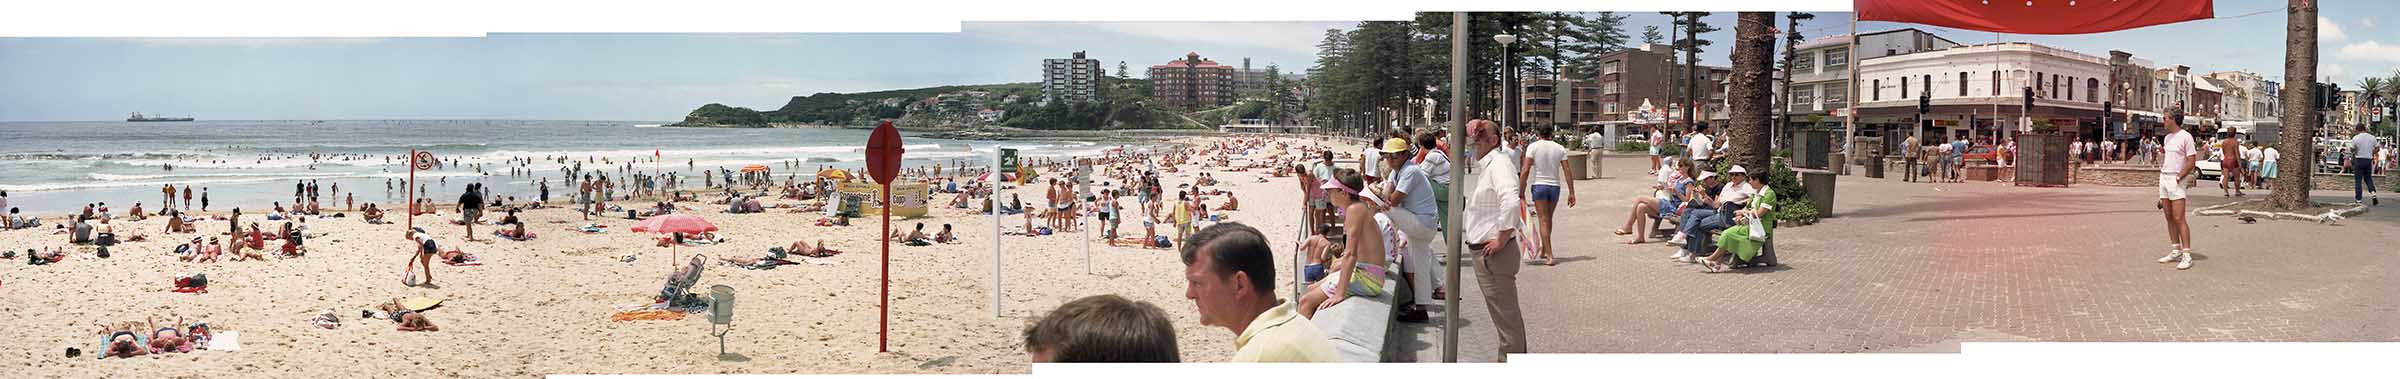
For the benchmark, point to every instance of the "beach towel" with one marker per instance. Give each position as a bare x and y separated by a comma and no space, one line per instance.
475,262
646,315
225,341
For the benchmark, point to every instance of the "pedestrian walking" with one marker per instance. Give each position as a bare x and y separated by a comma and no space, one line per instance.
2363,148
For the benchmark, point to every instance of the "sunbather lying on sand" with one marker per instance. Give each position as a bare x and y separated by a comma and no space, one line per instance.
459,257
410,321
169,339
122,340
802,248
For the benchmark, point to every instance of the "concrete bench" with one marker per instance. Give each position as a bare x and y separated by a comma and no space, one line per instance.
1358,326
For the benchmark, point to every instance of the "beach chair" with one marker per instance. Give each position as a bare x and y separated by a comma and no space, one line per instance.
680,282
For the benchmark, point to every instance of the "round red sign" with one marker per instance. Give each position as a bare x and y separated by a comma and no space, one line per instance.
883,153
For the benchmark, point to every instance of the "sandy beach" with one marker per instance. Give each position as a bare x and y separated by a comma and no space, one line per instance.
542,306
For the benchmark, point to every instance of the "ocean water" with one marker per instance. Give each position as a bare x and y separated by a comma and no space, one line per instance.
52,167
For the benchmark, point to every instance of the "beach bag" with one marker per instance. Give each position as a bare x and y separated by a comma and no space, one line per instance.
409,277
1758,228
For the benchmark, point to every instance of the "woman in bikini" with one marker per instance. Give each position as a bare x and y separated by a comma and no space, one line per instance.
803,248
408,320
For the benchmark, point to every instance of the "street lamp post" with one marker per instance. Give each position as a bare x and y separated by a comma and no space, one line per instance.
1508,79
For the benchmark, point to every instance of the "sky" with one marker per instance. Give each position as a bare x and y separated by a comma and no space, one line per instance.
2350,43
579,76
659,77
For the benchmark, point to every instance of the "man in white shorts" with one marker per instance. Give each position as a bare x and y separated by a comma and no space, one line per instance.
2180,161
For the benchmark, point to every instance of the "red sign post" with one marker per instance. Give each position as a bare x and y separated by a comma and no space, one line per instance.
883,162
417,160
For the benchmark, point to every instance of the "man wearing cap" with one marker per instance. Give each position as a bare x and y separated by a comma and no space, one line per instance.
1700,224
1413,209
1491,220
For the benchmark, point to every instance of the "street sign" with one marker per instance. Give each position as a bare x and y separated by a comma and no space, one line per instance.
1841,112
423,160
883,153
883,161
1008,160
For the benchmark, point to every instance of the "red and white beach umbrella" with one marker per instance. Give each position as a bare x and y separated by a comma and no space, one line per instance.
674,223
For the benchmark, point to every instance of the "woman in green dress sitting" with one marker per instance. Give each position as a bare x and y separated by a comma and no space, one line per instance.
1737,241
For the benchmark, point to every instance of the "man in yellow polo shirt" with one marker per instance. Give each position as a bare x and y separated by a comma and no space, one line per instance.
1229,273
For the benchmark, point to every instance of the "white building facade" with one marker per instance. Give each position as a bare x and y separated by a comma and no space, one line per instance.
1821,69
1978,92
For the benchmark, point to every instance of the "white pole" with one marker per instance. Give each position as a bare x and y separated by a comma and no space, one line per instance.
1850,103
995,198
1084,229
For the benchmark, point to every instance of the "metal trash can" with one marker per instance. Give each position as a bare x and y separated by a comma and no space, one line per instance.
1875,167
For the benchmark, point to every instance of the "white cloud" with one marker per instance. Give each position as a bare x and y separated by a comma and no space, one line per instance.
2370,51
1298,37
2327,31
2368,22
2331,70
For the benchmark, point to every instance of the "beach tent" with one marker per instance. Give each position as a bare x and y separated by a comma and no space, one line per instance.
754,168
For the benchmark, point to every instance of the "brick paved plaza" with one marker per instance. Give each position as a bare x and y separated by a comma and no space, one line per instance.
1914,267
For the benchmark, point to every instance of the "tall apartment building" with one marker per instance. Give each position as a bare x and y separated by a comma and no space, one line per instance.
1627,78
1192,83
1547,103
1075,79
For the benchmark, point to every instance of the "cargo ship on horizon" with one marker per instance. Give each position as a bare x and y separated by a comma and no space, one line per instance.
137,117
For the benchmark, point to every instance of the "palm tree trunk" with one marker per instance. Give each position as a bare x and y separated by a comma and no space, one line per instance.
1752,99
2299,117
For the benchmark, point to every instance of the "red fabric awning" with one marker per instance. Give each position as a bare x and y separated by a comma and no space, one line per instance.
2041,17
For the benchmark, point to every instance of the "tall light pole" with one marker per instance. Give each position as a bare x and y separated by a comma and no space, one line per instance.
1508,79
1452,229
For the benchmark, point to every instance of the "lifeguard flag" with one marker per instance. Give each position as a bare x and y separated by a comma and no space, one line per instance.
2036,17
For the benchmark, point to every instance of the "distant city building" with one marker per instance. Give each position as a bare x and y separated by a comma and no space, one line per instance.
1626,79
1978,92
1821,70
1192,83
2208,101
1075,79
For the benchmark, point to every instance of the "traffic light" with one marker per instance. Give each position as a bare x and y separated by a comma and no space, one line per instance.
2028,98
1925,102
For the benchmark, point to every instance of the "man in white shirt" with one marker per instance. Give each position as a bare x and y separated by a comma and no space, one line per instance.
2362,167
2179,164
1700,146
1908,152
1491,235
1546,170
